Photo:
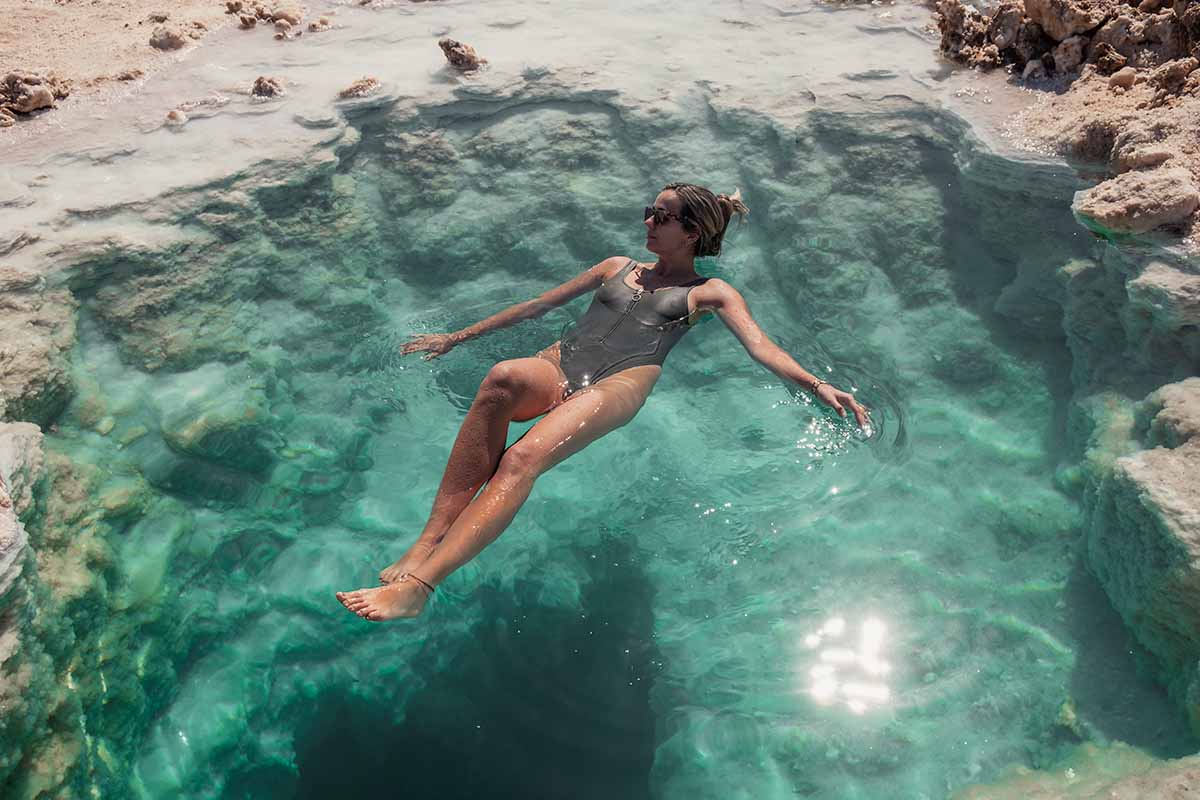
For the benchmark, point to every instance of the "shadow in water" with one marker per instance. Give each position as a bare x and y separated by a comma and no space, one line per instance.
539,702
1111,692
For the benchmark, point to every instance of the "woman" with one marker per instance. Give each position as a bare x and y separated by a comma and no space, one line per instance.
590,383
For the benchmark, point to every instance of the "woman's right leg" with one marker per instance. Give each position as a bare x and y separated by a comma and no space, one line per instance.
515,390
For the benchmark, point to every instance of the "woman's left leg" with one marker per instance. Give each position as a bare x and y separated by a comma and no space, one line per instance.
567,429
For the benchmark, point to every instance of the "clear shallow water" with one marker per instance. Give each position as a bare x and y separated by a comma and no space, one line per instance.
731,596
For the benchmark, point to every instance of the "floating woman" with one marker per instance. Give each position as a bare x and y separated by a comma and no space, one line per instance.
591,382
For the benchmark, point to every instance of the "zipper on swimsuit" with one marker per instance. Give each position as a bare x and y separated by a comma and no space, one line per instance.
633,301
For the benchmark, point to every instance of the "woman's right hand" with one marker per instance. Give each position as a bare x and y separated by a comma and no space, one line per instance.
436,343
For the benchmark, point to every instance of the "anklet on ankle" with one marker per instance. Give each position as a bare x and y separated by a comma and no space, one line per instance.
431,589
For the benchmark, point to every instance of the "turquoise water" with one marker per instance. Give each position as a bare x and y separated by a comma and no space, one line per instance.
735,595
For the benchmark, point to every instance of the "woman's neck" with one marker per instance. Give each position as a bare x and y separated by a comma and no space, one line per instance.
673,266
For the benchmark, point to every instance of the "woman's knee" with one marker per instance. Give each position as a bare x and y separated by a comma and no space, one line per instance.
505,377
521,462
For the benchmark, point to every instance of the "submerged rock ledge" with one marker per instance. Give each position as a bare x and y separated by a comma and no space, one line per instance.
162,272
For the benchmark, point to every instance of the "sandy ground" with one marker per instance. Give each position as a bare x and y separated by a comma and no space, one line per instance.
90,42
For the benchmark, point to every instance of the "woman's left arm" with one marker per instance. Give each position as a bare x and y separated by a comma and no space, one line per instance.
717,295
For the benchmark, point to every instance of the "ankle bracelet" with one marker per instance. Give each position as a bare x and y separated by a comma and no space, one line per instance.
426,584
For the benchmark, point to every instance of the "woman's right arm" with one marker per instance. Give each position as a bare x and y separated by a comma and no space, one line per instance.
584,282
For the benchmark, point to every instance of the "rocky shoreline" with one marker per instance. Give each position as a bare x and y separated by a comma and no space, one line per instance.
1119,87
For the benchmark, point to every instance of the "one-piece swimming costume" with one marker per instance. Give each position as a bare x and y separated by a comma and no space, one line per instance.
623,328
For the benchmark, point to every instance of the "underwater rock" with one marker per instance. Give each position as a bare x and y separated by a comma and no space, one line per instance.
320,24
267,87
247,21
461,56
1137,201
164,38
176,118
1112,772
1061,19
1143,537
360,88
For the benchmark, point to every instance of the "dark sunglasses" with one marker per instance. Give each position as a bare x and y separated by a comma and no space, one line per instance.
660,215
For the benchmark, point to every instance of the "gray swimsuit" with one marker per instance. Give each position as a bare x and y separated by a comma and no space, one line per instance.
624,328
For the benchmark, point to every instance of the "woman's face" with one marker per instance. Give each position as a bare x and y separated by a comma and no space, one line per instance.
669,237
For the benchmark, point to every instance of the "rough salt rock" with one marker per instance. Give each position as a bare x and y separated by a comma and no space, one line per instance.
1123,77
165,38
360,88
130,75
291,15
1137,202
320,24
176,118
1032,43
23,93
461,56
1061,19
282,25
1107,59
1034,70
1144,537
267,87
1172,298
7,118
1069,54
37,331
1111,772
1145,41
158,16
233,6
1006,23
247,20
965,35
1170,76
1141,157
20,469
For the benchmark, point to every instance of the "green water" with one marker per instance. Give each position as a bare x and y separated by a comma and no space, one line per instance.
735,595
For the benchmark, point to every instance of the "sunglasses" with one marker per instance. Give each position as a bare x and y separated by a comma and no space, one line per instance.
661,215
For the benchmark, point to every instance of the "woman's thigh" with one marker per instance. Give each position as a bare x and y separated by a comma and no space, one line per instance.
581,419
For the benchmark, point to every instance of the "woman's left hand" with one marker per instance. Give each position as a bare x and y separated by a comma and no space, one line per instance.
838,400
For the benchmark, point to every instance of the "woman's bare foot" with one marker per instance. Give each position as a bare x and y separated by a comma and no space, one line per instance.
414,558
403,598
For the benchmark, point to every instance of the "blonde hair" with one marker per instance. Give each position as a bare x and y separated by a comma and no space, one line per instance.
708,214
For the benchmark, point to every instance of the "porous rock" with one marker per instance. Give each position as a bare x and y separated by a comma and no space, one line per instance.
1171,297
1005,23
360,88
164,38
1107,60
267,87
461,56
1069,54
1062,19
1138,201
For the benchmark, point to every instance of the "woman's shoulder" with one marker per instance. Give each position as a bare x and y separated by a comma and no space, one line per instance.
612,266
